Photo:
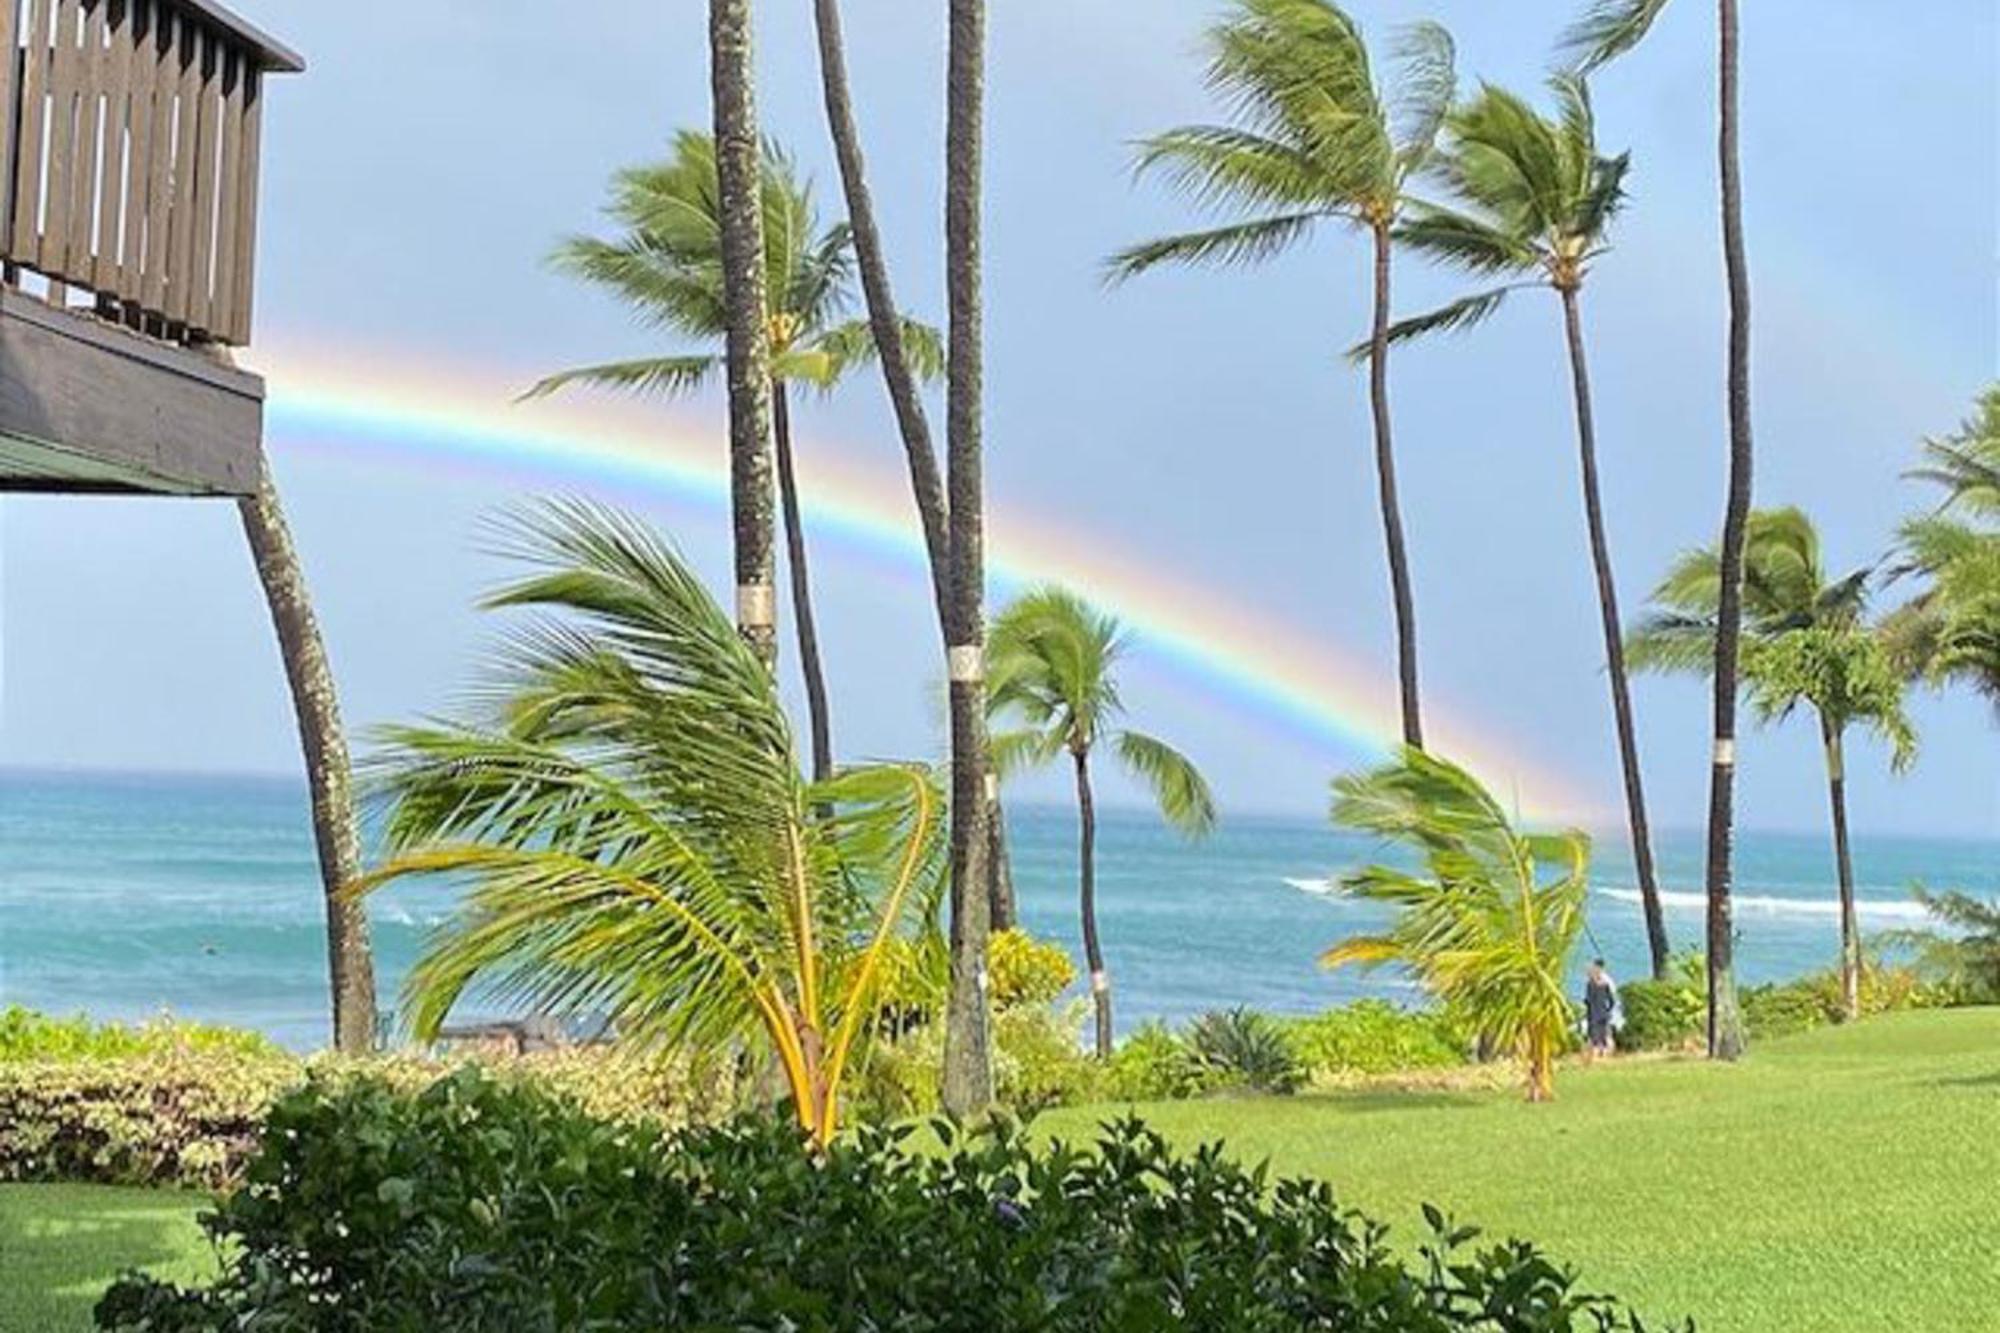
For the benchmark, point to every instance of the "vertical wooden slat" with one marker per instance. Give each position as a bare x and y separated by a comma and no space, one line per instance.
163,53
120,24
143,59
246,207
78,260
180,205
63,79
201,265
34,117
227,215
10,107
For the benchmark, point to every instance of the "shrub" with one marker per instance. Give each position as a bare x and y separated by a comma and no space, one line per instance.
479,1206
28,1035
1375,1037
1038,1063
1153,1064
1024,970
1243,1050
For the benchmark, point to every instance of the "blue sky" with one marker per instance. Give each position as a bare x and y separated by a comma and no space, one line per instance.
1201,422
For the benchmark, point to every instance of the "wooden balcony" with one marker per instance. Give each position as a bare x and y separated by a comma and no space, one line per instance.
128,235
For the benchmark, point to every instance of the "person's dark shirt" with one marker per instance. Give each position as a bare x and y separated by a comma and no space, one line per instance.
1600,997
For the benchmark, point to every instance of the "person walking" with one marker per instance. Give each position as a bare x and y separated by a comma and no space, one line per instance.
1603,1015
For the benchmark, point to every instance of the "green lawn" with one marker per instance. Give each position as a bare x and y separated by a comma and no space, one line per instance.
1843,1181
1846,1180
61,1245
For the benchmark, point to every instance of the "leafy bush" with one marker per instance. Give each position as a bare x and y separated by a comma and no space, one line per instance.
1024,970
1375,1037
1038,1062
191,1113
1154,1064
1243,1050
1670,1013
1673,1014
479,1206
26,1034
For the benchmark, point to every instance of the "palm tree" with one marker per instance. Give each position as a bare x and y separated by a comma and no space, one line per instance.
1609,29
968,1073
1489,922
1806,642
316,703
1967,959
1537,200
1950,630
732,77
1315,141
633,835
968,1059
666,264
1051,664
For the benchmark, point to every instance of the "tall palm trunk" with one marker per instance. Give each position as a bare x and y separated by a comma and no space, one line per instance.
1392,513
1003,909
1843,856
329,777
738,172
1614,637
968,1071
1086,866
1725,1019
883,320
802,608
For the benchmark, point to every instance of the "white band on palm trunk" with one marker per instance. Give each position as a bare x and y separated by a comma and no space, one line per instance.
965,664
1725,754
756,608
992,785
1100,983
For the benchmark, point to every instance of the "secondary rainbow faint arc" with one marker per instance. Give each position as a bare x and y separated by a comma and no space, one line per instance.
435,415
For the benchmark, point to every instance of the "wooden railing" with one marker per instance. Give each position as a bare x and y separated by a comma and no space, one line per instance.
133,142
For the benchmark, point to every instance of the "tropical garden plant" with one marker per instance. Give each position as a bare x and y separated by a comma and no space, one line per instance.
1961,951
1533,201
633,835
665,263
1315,140
1807,642
1488,919
1051,665
1607,30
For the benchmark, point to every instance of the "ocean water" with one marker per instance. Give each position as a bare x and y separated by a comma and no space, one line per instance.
124,896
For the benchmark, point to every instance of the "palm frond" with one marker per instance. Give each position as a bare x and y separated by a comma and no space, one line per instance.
1236,243
1609,29
1426,85
1178,787
666,376
1464,313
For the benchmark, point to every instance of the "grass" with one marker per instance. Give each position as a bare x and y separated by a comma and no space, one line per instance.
61,1245
1837,1181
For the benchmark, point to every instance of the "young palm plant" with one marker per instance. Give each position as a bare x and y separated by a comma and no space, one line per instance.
1051,664
632,832
666,264
1488,923
1535,203
1950,630
1807,642
1609,29
1315,141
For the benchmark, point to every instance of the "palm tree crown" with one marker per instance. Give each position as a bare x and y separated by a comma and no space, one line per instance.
1951,628
1315,138
666,263
1537,199
634,834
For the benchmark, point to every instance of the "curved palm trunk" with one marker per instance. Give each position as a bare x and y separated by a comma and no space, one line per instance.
1614,640
802,608
1725,1019
884,321
1392,513
968,1064
1541,1069
1843,856
1003,909
328,774
738,169
1093,950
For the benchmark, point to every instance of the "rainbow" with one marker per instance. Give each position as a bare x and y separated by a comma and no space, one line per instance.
418,411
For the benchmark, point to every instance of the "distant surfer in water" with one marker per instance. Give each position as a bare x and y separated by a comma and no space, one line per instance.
1602,1014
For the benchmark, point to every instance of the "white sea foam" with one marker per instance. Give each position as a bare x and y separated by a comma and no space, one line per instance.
1752,904
1318,888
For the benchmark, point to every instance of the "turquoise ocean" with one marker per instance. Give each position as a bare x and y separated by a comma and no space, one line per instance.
126,896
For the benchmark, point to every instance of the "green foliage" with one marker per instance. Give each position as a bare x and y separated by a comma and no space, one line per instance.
1963,959
1037,1063
476,1206
1488,924
1242,1050
1949,630
1672,1014
1154,1063
1022,970
26,1034
1376,1037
